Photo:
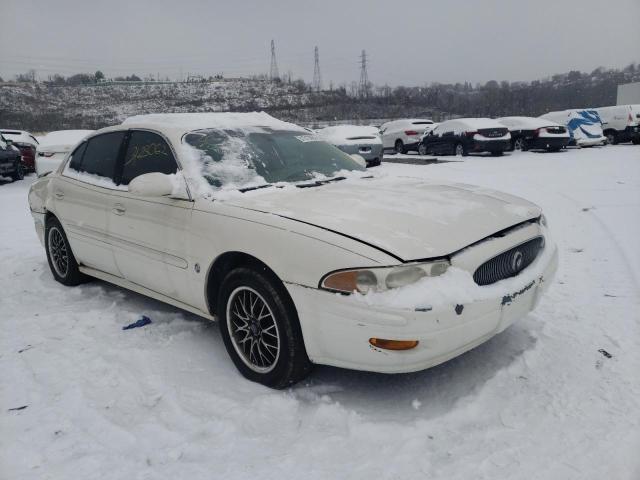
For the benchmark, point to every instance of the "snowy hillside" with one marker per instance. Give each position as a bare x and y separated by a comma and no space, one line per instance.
555,396
46,107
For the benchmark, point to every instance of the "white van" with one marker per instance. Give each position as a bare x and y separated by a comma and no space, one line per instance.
621,123
584,125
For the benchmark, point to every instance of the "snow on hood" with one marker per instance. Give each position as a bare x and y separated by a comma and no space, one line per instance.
62,140
348,134
409,218
223,120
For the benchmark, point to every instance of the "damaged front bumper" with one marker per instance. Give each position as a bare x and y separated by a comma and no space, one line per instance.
337,329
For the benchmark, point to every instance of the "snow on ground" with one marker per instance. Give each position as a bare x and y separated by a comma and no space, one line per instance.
164,401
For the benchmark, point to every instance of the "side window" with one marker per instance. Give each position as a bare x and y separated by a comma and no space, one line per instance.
147,152
76,157
3,145
101,154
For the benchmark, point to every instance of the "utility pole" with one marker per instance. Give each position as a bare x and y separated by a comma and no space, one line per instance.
273,71
363,88
317,78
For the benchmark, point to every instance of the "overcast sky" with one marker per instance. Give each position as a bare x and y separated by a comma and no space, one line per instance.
407,42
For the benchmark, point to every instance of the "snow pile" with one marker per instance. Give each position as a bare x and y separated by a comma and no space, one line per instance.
349,134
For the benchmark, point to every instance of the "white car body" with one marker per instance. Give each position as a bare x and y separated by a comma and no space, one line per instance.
54,147
584,125
355,140
406,132
620,123
167,248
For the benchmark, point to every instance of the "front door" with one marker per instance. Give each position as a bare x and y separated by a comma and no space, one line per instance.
149,234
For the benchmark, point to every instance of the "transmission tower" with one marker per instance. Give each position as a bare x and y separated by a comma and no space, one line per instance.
363,89
317,78
273,72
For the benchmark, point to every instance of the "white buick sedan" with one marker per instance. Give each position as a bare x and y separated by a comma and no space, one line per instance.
302,255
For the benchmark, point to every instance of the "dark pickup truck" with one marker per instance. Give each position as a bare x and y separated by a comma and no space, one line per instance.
10,162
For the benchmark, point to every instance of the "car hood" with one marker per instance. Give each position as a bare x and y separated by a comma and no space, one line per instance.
408,218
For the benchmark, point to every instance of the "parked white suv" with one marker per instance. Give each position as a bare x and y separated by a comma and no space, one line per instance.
404,135
620,123
290,244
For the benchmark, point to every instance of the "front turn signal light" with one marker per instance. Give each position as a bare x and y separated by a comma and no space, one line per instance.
393,344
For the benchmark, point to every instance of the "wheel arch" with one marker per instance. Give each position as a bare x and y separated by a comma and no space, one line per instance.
225,263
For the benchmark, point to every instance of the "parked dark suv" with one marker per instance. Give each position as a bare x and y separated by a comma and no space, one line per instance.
463,136
10,162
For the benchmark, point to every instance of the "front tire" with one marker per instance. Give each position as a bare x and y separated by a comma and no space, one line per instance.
422,149
62,263
612,138
261,330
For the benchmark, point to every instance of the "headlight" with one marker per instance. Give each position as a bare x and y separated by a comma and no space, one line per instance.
377,279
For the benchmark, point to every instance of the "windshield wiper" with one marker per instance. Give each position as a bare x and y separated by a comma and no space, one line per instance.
248,189
318,183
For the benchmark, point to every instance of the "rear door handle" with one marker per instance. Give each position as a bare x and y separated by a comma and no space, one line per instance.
59,194
119,209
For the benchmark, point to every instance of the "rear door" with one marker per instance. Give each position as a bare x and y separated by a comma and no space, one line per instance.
150,234
81,199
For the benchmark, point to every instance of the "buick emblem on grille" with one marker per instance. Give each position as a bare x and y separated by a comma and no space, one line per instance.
516,261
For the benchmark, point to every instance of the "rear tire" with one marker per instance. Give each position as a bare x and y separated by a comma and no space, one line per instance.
260,329
62,263
422,149
399,147
636,141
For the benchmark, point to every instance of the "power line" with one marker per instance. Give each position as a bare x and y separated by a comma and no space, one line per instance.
273,71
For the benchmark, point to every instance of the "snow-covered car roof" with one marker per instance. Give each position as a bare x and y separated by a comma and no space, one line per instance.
476,123
529,123
63,139
341,134
19,136
186,122
415,121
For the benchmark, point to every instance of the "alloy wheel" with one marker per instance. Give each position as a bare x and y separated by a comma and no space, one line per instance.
517,145
253,329
58,252
459,150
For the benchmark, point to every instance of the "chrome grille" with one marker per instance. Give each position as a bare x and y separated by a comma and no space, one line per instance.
510,263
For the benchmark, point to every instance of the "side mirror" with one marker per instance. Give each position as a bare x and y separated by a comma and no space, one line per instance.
360,160
151,185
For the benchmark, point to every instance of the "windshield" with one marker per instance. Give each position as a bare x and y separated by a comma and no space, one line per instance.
250,157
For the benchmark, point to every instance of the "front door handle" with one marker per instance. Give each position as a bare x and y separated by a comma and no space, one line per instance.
59,194
119,209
